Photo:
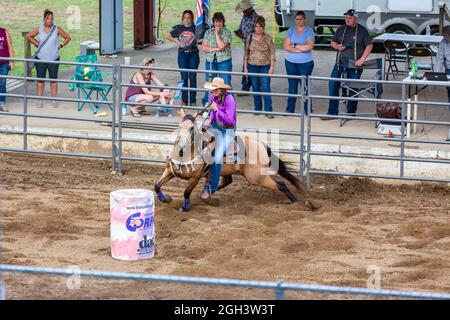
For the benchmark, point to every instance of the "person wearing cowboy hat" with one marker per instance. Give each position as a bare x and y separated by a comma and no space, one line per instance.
222,122
246,28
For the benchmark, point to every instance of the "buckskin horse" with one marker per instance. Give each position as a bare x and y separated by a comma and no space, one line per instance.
188,160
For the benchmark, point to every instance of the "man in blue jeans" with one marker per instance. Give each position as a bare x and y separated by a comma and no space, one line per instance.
352,41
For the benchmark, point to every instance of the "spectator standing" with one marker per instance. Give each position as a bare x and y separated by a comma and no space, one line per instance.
259,57
188,57
49,50
351,41
6,51
299,61
443,56
217,46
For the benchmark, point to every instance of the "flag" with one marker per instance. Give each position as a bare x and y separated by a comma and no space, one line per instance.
201,18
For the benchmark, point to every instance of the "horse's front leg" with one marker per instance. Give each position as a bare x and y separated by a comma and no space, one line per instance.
166,177
192,183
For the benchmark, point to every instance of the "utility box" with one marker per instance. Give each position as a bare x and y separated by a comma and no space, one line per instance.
111,26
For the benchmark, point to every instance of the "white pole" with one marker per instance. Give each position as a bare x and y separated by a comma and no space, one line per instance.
416,98
408,117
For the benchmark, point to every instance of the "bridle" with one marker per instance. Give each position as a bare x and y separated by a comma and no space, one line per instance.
176,166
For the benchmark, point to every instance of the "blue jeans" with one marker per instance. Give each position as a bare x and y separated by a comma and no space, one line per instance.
260,84
4,72
297,69
189,60
226,65
334,86
224,137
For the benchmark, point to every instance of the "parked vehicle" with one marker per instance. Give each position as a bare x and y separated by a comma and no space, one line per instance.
378,16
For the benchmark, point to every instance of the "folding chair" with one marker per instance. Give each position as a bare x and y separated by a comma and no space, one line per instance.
394,52
89,73
362,89
421,52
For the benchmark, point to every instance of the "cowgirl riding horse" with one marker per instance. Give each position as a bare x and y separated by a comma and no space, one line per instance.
188,158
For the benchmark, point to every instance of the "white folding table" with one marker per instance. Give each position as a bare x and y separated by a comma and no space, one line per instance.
416,82
409,38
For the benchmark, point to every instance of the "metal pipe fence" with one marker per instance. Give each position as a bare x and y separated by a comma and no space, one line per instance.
26,115
305,153
304,143
404,123
279,288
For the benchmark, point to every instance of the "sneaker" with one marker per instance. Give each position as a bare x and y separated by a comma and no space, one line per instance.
205,195
270,116
3,108
170,115
55,104
39,104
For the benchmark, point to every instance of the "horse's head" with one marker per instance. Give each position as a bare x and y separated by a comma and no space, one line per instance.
186,135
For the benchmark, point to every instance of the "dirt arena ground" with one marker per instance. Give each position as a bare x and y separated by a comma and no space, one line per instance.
55,212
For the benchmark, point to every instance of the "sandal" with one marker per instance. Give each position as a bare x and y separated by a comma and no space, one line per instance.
135,114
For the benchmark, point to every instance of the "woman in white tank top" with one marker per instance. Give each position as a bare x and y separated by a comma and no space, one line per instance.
49,51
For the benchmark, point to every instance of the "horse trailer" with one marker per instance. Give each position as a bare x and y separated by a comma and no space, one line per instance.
378,16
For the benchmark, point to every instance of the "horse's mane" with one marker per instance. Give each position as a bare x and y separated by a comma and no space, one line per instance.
189,117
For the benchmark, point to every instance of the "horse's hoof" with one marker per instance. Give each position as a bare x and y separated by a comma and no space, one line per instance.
165,199
183,209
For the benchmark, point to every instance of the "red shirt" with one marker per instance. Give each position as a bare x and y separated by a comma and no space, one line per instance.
4,49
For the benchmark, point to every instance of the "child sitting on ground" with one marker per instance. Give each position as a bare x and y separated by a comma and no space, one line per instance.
165,97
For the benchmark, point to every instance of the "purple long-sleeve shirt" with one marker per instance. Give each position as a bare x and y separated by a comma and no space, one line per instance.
226,112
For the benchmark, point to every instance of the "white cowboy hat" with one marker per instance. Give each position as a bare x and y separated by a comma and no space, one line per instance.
217,83
244,5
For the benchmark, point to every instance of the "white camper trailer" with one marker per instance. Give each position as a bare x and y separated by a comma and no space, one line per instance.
378,16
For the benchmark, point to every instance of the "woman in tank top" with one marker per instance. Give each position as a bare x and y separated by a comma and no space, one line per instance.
141,94
50,51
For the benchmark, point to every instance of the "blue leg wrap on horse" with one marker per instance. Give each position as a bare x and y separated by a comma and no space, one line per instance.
161,196
186,204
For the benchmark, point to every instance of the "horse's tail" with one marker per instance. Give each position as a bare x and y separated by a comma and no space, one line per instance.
282,169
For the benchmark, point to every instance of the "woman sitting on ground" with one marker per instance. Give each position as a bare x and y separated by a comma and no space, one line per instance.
142,94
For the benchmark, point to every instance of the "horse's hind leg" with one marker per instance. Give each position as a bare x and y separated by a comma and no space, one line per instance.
166,177
275,184
226,180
